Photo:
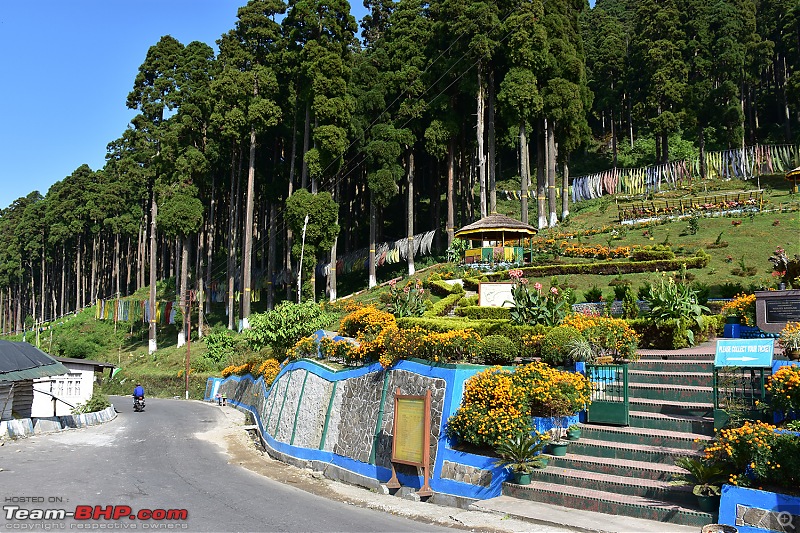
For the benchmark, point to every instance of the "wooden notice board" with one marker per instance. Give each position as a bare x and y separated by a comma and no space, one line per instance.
412,436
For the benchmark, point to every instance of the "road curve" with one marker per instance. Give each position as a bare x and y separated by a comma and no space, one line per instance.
161,459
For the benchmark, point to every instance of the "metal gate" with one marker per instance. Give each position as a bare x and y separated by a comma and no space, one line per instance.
737,393
609,394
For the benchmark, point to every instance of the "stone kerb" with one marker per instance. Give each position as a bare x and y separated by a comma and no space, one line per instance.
25,427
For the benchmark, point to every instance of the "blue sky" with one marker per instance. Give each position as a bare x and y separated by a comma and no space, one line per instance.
68,66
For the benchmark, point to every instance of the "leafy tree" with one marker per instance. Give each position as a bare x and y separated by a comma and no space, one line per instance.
320,231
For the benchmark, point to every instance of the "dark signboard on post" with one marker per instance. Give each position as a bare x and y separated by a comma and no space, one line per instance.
775,308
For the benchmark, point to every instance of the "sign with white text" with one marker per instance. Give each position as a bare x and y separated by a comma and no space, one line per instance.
744,352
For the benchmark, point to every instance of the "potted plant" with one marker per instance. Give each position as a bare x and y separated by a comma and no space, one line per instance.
574,432
707,478
558,442
521,454
790,340
579,349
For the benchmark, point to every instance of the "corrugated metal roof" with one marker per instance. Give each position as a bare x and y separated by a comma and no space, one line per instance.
20,360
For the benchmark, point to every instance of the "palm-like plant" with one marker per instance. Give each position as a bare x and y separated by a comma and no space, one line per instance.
522,452
706,477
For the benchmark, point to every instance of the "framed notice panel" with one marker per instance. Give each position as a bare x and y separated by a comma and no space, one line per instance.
412,436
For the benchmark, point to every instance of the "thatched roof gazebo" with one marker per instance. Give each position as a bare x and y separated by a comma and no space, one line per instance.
496,227
794,176
499,229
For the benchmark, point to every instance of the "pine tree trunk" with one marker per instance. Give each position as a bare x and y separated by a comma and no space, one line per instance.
373,222
481,161
410,213
247,252
552,156
613,140
42,282
210,231
541,177
78,275
273,254
93,275
565,192
153,344
185,286
63,279
492,164
232,227
524,164
306,143
332,268
451,148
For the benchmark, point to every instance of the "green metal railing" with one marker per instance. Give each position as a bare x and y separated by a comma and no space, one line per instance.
738,391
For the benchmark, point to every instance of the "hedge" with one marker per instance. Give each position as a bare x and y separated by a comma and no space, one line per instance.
476,312
482,327
617,267
672,335
441,288
471,284
443,306
466,301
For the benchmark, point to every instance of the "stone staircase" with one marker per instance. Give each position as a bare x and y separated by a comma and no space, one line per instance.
627,470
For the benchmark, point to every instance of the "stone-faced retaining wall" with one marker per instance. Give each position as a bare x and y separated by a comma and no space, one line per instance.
345,419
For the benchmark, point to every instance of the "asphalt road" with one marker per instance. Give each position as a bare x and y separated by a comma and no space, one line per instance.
157,460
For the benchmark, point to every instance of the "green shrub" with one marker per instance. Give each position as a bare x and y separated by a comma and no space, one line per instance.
467,301
498,350
471,284
676,302
620,289
730,290
97,402
443,306
285,325
554,349
220,344
595,294
477,312
77,348
630,307
441,288
654,253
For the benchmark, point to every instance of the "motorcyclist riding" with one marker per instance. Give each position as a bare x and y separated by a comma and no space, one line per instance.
138,393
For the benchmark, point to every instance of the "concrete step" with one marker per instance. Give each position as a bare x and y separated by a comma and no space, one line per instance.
701,425
673,365
645,436
610,503
684,379
649,453
601,465
617,484
679,393
671,408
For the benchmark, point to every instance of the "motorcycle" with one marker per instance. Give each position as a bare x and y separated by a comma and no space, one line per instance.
138,404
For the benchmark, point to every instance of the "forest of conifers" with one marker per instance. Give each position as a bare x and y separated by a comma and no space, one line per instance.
403,128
